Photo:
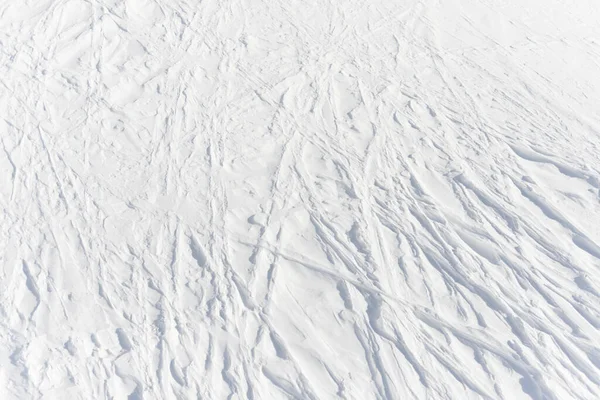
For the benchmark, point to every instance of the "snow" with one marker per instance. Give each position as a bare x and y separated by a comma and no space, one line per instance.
311,200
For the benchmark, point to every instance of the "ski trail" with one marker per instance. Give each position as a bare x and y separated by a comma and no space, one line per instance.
337,199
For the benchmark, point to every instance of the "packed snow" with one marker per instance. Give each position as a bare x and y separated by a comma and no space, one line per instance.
256,199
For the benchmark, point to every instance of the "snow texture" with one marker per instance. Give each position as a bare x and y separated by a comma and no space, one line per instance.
259,199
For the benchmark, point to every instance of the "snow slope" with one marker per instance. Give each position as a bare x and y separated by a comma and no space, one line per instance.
254,199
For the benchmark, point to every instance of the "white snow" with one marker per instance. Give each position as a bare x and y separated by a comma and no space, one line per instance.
387,199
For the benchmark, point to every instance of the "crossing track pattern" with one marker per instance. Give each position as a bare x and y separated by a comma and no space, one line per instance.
306,199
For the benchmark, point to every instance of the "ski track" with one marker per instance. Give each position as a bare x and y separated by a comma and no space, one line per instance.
309,200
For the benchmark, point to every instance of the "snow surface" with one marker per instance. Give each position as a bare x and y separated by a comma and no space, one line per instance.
246,199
